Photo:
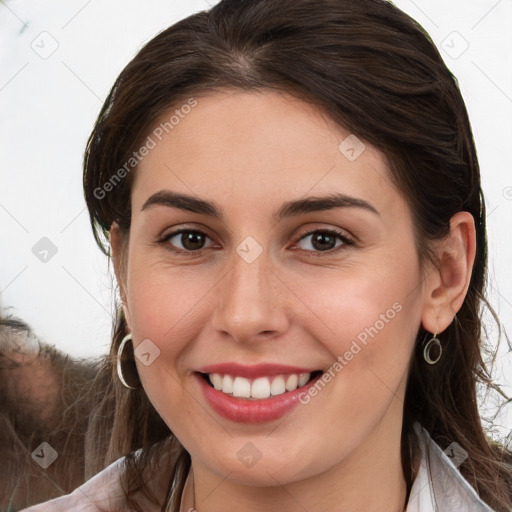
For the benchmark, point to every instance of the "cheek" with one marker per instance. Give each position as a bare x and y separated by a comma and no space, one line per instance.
369,319
162,301
372,320
162,310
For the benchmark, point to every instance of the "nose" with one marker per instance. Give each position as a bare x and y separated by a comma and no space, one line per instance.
251,303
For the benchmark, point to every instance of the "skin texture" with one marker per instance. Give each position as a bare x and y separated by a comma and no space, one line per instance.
249,153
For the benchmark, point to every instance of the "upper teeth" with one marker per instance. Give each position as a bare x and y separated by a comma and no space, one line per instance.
259,388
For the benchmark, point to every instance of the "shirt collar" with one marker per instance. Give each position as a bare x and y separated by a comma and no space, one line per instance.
439,485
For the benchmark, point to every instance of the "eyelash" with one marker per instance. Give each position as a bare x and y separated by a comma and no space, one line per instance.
347,242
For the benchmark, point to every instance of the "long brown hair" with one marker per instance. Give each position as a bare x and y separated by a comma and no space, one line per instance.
377,73
44,398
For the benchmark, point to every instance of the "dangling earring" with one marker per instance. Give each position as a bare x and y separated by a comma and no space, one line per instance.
127,338
432,342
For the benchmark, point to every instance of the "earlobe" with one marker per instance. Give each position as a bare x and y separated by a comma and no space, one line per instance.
117,244
447,285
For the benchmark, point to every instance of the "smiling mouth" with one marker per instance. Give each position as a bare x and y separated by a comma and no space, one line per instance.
260,388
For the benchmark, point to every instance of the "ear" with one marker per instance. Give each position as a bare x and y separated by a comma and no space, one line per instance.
118,245
447,285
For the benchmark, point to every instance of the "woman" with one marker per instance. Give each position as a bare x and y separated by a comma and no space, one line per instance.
291,196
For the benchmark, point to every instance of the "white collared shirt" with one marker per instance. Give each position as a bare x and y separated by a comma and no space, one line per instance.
443,489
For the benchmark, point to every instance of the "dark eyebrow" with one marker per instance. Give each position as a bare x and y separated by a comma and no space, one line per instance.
288,209
317,204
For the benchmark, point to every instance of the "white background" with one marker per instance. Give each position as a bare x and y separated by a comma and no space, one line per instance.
48,107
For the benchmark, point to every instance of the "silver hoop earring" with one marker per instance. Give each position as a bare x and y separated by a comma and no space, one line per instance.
432,342
127,338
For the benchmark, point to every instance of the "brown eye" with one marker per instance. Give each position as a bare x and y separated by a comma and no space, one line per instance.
191,240
323,240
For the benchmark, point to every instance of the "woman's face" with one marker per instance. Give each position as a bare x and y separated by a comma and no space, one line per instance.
277,287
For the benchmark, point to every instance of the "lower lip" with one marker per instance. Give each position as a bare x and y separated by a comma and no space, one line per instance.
242,410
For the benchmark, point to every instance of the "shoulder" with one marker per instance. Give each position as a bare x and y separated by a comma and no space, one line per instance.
439,485
103,490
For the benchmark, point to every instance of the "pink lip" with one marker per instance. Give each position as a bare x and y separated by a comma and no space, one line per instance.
242,410
254,371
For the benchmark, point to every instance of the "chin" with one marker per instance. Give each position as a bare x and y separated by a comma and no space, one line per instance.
262,472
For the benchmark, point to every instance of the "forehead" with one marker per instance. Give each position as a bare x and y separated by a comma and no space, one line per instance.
253,146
